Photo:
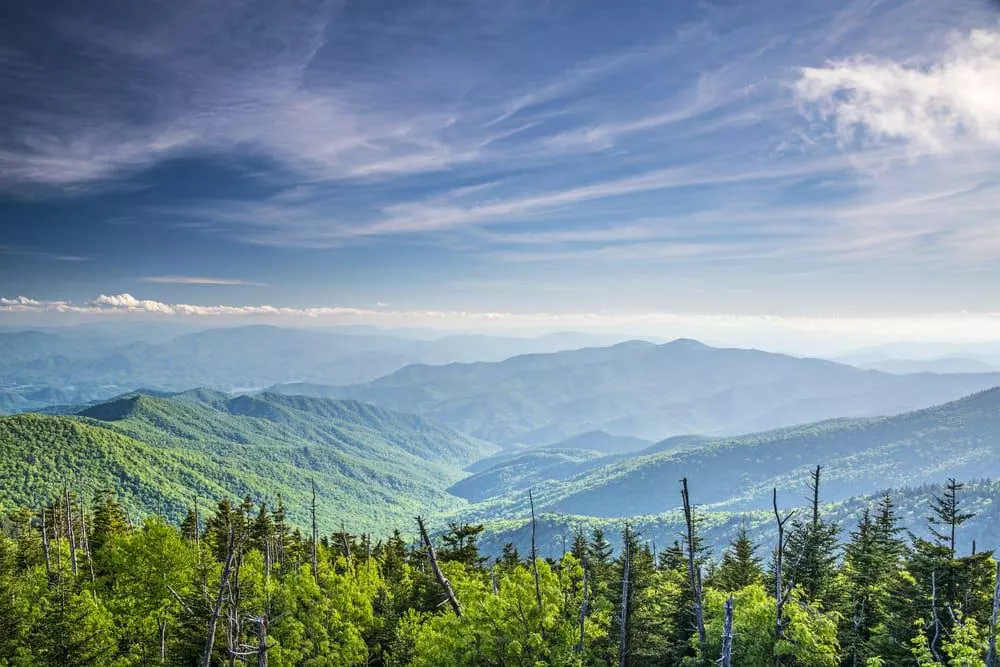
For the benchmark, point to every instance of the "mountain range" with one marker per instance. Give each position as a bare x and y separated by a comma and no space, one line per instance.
79,365
650,391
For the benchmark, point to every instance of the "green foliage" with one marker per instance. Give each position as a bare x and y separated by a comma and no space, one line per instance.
373,468
146,595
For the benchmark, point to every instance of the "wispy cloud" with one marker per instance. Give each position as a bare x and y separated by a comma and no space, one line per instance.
40,254
199,280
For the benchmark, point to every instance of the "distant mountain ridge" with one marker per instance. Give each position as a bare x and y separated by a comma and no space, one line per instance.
645,390
78,365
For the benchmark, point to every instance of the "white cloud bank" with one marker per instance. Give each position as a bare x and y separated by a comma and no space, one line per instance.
947,327
934,106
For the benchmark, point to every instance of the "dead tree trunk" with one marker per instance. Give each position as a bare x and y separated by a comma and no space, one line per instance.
438,574
315,569
163,640
213,622
934,616
623,612
70,534
584,608
86,540
693,569
781,591
534,555
727,634
45,547
991,656
262,640
347,542
493,579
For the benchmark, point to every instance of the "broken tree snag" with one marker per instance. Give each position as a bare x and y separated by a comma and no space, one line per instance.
262,640
45,547
438,574
584,608
213,621
534,553
312,508
68,507
86,539
347,542
727,634
693,572
781,591
991,655
623,612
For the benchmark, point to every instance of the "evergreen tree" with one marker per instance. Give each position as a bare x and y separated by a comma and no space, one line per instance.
811,555
740,566
460,544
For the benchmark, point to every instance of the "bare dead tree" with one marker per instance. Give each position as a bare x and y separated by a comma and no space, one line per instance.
213,622
493,579
45,547
693,570
262,640
781,590
935,619
727,634
438,574
991,655
623,612
534,554
346,542
584,607
86,540
68,507
312,507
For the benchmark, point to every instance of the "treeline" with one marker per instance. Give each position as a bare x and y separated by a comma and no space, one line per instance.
80,584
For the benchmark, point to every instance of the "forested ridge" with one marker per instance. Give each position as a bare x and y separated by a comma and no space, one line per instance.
374,468
83,583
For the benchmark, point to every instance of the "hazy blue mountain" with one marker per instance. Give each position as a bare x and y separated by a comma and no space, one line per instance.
650,391
103,360
938,365
959,439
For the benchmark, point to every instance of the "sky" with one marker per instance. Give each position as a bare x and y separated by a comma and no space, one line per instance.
775,165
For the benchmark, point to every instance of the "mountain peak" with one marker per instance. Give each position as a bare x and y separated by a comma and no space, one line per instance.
687,344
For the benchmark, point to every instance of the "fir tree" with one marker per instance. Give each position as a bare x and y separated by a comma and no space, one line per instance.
740,566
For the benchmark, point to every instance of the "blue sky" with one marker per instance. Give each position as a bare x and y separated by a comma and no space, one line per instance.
468,163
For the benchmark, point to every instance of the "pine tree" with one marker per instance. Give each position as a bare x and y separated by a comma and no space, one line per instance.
740,566
460,544
811,554
579,547
510,557
946,515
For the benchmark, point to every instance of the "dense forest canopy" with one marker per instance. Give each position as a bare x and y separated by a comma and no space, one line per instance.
84,584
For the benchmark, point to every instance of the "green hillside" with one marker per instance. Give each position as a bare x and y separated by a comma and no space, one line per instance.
646,390
960,439
373,468
719,528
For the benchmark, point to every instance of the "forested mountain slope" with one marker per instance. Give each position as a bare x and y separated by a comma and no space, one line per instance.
960,439
372,467
646,390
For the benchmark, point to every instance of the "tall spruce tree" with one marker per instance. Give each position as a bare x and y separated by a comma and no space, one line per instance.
740,566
